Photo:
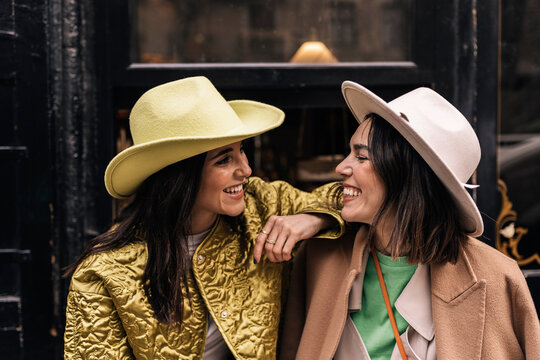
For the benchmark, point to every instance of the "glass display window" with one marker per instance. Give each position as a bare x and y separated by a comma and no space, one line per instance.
272,31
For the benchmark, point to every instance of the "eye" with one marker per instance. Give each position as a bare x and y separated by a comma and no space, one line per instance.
224,160
361,158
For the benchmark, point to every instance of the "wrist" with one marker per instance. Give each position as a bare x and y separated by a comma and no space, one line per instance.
322,221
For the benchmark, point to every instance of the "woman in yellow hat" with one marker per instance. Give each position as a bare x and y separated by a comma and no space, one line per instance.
177,276
411,282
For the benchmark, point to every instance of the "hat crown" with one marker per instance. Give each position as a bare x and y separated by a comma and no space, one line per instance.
442,127
186,108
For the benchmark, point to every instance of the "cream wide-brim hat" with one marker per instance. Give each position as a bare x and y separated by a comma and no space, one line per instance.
440,134
178,120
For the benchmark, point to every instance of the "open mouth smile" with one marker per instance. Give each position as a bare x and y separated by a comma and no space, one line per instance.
236,191
349,193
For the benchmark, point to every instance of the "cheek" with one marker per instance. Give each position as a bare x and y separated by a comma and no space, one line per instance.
379,193
210,190
214,181
206,199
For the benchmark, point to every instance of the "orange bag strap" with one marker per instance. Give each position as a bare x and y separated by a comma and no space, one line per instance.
388,306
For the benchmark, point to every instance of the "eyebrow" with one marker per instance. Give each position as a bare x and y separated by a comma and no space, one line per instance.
360,147
222,152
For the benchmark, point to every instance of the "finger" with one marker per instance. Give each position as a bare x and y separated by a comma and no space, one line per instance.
258,250
285,231
293,237
277,250
273,235
288,247
268,247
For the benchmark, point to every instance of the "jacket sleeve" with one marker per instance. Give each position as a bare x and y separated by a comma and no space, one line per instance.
93,328
281,198
525,319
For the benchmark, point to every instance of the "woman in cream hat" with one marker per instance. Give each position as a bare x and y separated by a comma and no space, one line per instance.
411,281
177,276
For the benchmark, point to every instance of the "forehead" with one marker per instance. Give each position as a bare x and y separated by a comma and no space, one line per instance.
223,148
361,135
222,151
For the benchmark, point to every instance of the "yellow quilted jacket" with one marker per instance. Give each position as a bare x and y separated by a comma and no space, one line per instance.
108,315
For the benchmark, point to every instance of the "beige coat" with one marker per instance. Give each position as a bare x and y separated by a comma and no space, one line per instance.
482,307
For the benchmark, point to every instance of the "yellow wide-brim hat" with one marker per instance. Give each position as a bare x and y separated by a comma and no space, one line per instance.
178,120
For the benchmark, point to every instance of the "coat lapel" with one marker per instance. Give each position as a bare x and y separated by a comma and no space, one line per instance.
332,271
458,301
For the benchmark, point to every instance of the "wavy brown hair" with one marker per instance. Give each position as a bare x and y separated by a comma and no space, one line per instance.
427,227
160,214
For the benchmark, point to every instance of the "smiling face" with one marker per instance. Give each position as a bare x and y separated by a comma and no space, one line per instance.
363,189
221,191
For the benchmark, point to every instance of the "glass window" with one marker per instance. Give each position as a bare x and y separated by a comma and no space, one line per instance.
262,31
519,155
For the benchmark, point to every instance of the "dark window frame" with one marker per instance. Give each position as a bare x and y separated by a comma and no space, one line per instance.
276,76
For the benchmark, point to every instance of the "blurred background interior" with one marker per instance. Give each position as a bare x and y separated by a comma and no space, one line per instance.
71,70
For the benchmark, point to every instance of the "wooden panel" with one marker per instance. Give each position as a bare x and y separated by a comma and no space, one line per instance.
7,40
7,56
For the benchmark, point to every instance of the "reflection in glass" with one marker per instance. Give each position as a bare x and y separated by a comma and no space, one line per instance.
519,151
216,31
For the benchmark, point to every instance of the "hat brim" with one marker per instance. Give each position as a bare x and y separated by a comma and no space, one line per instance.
127,170
362,102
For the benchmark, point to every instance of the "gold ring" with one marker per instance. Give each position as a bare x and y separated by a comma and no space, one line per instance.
271,242
264,232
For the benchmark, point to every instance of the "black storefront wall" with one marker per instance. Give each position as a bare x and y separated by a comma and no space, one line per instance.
25,182
51,159
81,137
63,73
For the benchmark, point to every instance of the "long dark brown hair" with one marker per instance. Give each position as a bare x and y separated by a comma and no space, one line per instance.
427,224
160,214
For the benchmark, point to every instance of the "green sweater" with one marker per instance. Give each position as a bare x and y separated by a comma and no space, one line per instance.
372,320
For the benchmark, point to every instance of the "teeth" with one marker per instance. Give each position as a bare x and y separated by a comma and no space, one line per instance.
348,191
233,189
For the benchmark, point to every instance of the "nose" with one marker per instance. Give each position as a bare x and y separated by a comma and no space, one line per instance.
344,169
243,169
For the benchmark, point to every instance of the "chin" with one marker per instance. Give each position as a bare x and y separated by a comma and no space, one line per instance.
234,212
347,217
351,217
237,213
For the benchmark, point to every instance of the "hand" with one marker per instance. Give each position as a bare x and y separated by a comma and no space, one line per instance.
281,233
